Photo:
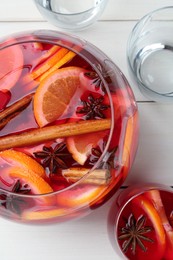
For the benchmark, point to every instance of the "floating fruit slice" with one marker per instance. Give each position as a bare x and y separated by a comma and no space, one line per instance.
11,64
130,140
38,45
5,97
22,160
122,106
80,146
43,214
80,196
32,45
36,183
48,53
48,63
155,198
142,206
54,94
65,59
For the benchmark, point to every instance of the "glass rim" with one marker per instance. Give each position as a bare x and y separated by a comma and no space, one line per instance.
144,17
68,14
149,14
146,187
158,96
19,40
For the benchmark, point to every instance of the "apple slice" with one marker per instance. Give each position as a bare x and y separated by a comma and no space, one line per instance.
5,96
11,65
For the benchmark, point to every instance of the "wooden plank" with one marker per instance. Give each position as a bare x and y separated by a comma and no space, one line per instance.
131,10
25,10
84,239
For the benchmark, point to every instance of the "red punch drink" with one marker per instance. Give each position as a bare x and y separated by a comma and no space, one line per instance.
68,127
141,223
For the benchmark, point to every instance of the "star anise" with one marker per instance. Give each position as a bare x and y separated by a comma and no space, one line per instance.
53,158
93,107
14,202
109,161
133,234
96,80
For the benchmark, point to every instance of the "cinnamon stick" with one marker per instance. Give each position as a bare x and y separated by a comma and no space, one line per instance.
48,133
98,176
17,106
5,121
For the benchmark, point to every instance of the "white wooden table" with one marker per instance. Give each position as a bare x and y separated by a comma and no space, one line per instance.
87,239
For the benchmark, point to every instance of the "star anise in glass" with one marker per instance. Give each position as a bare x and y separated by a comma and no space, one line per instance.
109,161
53,158
133,234
14,202
96,80
93,107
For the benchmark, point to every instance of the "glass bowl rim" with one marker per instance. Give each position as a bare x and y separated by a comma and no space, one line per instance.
36,33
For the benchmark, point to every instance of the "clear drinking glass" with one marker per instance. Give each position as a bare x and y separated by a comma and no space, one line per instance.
150,54
140,223
68,127
71,15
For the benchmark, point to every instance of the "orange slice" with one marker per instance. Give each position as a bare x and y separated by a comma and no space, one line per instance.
43,214
130,140
20,159
66,58
155,198
142,205
80,146
54,94
37,184
80,196
47,64
11,64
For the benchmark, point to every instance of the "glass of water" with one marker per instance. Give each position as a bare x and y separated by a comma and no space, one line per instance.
71,14
150,54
